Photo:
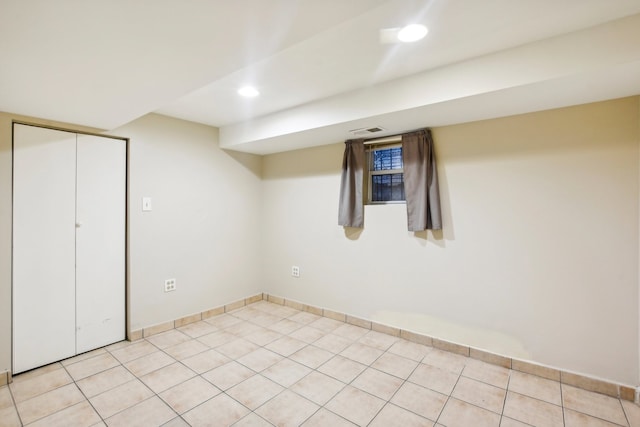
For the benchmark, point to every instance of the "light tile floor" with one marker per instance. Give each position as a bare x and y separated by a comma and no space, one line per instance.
267,364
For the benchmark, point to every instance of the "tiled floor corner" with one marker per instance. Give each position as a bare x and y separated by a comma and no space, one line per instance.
267,364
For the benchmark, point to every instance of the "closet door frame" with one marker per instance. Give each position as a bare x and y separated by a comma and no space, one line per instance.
72,134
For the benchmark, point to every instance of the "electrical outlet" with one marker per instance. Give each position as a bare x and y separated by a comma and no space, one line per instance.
295,271
170,285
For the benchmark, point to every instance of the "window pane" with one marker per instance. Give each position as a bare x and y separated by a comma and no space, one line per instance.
388,158
387,188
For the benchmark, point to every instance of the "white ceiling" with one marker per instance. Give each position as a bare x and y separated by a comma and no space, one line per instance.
319,64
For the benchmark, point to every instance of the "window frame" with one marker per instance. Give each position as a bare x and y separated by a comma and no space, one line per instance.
370,173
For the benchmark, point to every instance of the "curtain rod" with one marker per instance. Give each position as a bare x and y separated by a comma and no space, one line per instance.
390,138
383,140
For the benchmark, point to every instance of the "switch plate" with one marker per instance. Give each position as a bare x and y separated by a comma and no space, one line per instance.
146,204
295,271
170,285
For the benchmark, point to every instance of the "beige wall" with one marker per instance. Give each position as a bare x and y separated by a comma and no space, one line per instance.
204,227
538,258
203,230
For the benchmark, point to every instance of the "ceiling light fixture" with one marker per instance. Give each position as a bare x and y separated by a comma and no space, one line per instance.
248,92
412,33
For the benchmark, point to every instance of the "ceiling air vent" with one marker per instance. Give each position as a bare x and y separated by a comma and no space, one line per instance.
366,131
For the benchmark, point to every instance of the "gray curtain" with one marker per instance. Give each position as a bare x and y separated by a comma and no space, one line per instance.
421,181
351,210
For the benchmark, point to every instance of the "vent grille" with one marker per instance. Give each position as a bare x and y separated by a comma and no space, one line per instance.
366,131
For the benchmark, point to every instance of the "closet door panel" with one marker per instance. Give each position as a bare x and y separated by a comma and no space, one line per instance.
43,246
100,241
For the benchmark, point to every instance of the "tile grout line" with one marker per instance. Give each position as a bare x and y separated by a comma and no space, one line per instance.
232,359
142,382
626,416
404,381
82,392
369,366
506,394
197,374
564,410
260,373
136,379
449,397
200,376
284,358
15,404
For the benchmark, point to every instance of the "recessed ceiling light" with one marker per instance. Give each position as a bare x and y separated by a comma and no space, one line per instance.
412,33
248,92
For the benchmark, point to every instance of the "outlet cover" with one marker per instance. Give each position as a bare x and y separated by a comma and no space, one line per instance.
170,285
295,271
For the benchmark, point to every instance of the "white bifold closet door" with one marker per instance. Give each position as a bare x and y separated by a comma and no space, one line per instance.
69,193
100,241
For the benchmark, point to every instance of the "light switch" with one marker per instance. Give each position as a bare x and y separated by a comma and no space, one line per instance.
146,204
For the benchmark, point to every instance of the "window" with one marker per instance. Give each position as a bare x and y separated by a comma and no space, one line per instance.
385,174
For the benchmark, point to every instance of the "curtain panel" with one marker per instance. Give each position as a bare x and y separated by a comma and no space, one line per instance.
421,181
351,209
